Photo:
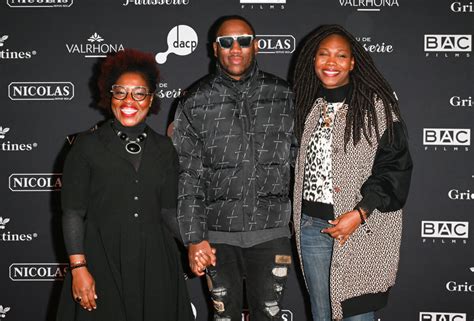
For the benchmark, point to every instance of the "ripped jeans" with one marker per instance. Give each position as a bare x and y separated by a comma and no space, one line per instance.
265,268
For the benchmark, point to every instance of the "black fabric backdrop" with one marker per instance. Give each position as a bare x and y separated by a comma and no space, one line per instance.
48,63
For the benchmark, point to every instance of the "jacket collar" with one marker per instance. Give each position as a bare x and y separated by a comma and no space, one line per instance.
249,74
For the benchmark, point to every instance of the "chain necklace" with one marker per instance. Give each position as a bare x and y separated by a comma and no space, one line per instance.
327,120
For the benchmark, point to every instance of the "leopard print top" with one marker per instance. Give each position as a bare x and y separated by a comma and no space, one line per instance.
317,186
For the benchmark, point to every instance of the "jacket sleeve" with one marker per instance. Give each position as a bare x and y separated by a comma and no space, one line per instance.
191,212
169,194
75,198
387,187
294,140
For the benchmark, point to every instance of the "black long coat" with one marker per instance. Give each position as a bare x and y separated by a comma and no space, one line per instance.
130,252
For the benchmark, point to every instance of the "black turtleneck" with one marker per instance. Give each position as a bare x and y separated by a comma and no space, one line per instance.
131,131
335,95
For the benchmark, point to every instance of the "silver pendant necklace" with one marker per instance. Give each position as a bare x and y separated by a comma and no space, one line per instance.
132,146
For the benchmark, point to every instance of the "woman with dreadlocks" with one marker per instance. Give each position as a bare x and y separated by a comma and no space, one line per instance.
351,178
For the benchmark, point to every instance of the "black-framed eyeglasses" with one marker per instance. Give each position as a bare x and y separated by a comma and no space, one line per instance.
226,42
139,93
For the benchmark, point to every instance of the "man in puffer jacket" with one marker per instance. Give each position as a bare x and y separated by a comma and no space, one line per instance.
234,136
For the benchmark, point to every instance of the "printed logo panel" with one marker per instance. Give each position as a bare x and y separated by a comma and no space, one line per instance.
442,316
462,6
8,236
35,182
9,54
8,146
448,43
445,229
156,2
182,41
369,5
96,47
447,136
276,44
41,91
39,3
38,271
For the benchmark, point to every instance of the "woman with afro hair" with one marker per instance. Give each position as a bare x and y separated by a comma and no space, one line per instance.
119,201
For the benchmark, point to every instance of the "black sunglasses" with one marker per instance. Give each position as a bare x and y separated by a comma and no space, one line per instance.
226,42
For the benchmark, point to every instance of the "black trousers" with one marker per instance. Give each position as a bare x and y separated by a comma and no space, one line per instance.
265,270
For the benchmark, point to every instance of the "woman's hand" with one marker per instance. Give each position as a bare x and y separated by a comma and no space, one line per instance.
200,256
83,288
343,226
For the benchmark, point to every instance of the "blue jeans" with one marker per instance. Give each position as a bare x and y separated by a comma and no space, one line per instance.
316,248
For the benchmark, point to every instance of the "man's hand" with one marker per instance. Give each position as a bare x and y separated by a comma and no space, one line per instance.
344,226
200,256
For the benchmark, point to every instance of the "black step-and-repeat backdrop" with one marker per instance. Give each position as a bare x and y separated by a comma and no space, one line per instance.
49,52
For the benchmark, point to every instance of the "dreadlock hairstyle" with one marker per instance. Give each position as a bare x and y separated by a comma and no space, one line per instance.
367,82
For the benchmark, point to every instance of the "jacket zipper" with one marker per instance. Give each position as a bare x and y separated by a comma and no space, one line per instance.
249,168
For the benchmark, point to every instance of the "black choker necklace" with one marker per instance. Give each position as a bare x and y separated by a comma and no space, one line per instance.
132,145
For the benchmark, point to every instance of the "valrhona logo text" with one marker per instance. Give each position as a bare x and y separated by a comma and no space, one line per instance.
445,232
35,182
9,236
41,91
39,3
37,271
369,5
8,146
96,47
10,54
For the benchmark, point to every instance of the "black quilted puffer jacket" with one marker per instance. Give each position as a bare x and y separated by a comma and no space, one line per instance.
235,144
